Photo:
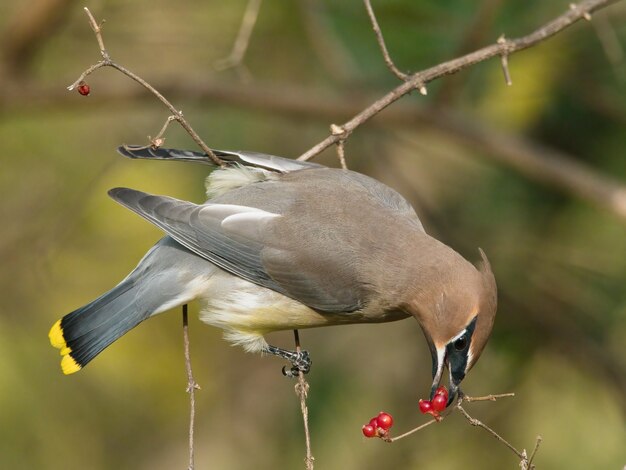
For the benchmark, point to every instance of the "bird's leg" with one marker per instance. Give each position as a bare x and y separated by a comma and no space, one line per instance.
300,360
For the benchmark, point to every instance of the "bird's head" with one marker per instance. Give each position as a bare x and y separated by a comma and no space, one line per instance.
456,311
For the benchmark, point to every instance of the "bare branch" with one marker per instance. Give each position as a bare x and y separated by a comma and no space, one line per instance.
341,154
192,386
107,62
585,14
504,58
488,397
159,140
338,130
475,422
408,433
302,390
381,42
534,452
419,79
97,30
235,59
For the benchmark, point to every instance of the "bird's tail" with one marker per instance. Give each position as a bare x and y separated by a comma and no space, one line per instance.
84,333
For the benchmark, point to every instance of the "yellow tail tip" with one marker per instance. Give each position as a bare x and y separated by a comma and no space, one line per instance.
56,336
69,365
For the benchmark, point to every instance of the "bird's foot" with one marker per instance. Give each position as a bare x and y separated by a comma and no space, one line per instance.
300,360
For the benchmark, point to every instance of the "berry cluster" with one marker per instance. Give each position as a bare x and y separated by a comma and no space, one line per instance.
378,426
437,404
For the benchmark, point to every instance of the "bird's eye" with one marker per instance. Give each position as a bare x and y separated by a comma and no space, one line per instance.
460,343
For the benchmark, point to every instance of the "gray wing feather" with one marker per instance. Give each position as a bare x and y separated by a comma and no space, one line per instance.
199,229
255,159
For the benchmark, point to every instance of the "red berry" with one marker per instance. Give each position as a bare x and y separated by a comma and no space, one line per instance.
374,423
83,89
385,420
369,430
426,406
440,401
442,391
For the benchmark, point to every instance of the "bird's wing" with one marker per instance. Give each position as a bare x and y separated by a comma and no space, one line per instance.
240,239
255,159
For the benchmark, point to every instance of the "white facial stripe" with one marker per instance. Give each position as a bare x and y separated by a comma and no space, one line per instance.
441,353
458,336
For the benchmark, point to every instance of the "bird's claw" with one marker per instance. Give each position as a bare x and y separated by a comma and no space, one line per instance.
300,362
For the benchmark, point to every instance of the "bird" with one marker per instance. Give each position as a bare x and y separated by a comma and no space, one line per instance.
282,244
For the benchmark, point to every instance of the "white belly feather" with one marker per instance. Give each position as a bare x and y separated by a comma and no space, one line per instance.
246,311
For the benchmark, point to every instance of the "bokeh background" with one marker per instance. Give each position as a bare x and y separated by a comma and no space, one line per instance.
457,154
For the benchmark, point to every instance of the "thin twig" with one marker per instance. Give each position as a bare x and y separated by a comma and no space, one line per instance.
338,130
525,462
97,29
192,386
504,59
381,42
242,42
488,397
408,433
159,140
341,154
107,62
534,452
419,79
585,14
475,422
302,390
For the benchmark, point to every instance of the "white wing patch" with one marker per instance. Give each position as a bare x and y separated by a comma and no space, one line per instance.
248,224
225,211
243,221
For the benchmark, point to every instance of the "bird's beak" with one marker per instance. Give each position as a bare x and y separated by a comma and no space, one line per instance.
439,359
457,372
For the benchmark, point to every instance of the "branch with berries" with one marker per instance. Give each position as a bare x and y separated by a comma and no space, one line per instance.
302,387
177,115
380,425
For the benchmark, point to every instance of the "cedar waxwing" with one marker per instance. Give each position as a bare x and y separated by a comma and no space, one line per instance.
283,244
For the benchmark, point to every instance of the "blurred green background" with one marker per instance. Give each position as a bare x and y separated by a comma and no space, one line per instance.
560,260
